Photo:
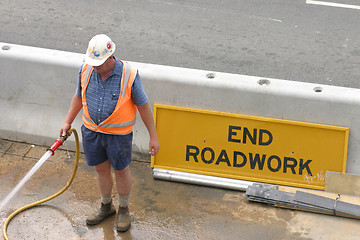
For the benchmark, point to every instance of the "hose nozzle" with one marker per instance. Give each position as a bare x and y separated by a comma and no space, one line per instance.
58,142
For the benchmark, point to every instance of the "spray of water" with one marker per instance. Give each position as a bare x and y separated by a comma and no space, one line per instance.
25,179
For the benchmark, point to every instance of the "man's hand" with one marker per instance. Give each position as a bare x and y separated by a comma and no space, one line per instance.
65,127
154,146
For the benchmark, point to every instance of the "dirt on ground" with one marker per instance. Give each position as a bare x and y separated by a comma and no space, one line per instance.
159,209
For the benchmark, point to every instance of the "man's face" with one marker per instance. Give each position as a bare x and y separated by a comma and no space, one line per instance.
103,68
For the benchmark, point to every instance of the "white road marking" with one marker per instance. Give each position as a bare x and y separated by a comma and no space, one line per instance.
331,4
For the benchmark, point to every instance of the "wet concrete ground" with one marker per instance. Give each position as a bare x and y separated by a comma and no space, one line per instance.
160,209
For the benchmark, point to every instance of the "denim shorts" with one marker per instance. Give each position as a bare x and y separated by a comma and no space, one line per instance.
99,147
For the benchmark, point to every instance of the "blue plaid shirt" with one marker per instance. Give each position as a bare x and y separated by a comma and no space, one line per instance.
102,97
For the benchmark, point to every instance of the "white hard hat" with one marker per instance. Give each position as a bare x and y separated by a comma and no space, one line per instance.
100,48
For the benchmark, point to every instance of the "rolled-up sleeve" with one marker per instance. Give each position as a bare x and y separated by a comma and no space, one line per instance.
78,89
138,94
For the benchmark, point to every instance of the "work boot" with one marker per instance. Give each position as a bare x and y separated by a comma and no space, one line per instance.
106,210
123,219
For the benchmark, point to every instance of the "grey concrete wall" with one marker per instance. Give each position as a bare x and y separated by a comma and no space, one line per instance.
38,84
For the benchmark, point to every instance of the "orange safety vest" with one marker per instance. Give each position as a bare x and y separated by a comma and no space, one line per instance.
122,120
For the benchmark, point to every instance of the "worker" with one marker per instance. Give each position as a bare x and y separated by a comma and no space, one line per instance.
110,92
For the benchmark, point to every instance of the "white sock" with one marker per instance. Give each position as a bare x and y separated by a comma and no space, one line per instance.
106,198
124,199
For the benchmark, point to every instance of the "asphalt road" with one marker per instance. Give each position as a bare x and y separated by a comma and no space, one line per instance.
282,39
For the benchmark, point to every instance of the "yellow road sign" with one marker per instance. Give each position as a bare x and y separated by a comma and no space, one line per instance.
248,147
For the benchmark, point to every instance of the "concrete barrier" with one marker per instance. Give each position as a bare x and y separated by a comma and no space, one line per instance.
38,84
